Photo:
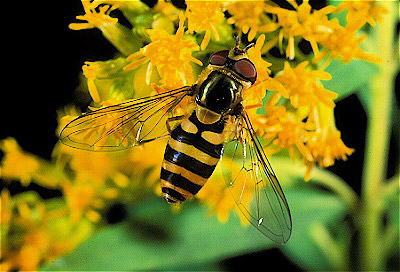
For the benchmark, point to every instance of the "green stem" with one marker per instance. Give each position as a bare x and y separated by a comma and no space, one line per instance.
338,186
329,246
121,37
324,178
378,133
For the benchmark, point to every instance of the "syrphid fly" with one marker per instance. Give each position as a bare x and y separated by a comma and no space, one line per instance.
196,142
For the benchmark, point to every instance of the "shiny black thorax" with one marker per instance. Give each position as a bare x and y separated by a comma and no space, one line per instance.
218,92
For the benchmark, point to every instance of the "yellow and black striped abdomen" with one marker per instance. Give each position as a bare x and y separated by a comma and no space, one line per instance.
190,157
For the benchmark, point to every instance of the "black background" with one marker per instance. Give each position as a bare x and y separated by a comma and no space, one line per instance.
43,60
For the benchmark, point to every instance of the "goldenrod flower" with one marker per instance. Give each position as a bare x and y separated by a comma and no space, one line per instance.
249,16
17,164
97,15
37,233
83,198
362,12
303,86
325,143
285,128
170,54
343,44
99,178
5,208
302,22
90,72
204,16
167,9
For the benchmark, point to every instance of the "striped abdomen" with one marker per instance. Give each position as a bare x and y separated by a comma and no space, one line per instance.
191,155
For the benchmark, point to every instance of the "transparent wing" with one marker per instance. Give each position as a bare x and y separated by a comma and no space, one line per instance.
254,185
123,125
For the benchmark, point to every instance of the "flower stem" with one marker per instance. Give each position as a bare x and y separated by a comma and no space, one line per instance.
338,186
378,133
333,252
324,178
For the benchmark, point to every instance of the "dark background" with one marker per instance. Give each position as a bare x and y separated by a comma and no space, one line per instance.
43,60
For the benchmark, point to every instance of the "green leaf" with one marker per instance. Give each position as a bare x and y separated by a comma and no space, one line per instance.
348,78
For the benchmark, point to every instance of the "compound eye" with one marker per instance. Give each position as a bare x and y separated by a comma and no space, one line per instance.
219,58
246,69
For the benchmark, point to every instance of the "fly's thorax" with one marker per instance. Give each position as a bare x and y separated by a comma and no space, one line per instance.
219,93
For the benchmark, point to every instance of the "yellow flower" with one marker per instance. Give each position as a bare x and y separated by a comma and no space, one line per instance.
80,199
145,158
303,86
95,15
95,166
5,208
170,54
90,72
17,164
325,143
343,44
167,9
361,12
302,22
204,16
269,124
285,128
37,234
297,116
30,242
249,16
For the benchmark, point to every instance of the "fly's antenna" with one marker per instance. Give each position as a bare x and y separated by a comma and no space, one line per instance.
237,39
237,50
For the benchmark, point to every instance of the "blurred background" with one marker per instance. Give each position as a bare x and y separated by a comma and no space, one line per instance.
45,71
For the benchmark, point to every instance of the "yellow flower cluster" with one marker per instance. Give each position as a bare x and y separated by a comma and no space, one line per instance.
289,108
197,11
171,54
35,231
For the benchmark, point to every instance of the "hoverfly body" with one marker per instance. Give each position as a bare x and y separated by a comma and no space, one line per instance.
196,144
